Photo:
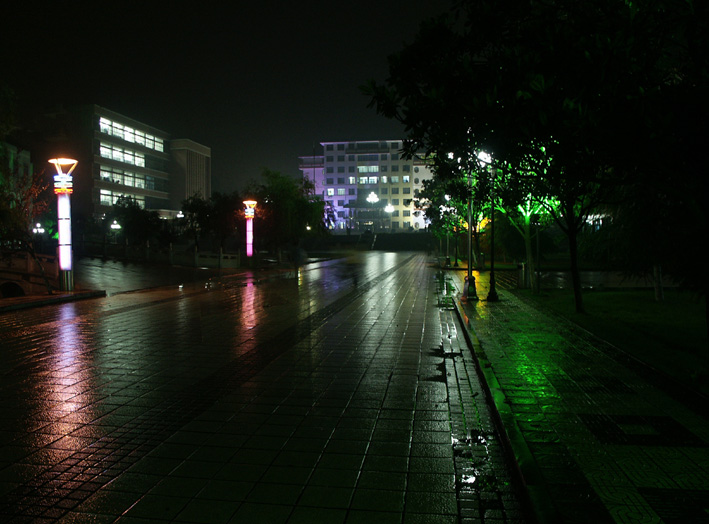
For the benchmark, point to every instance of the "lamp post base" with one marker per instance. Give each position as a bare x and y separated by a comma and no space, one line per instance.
66,280
469,291
492,294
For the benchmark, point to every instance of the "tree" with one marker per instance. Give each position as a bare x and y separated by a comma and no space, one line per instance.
550,88
196,211
137,224
223,210
286,209
21,202
452,181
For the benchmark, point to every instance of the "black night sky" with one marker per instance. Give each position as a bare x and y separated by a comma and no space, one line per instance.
258,82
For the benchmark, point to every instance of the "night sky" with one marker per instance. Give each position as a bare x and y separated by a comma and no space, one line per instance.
258,82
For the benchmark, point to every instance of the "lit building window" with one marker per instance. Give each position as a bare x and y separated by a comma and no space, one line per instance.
407,179
368,169
330,191
119,154
352,180
340,190
106,198
129,134
373,179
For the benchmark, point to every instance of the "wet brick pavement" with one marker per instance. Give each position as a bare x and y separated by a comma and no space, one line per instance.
305,400
598,438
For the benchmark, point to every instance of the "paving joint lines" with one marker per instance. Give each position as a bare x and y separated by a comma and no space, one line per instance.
78,476
596,441
693,399
488,486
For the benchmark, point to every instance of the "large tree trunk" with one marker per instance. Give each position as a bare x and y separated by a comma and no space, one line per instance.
531,266
572,234
657,282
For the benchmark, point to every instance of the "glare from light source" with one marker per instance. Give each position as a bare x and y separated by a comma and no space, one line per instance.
249,213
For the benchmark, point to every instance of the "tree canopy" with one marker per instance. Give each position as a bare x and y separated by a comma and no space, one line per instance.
287,209
574,98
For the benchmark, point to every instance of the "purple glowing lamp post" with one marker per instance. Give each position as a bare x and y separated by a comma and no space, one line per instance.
63,188
249,214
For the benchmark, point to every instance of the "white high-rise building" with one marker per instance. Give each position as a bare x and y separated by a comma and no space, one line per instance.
367,185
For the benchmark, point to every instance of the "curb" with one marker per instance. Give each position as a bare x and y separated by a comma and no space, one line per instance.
42,300
538,501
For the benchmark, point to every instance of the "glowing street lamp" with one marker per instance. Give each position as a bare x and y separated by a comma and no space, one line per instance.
486,160
389,209
372,198
63,188
249,213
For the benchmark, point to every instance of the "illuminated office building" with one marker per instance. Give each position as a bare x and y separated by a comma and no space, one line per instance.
359,180
122,157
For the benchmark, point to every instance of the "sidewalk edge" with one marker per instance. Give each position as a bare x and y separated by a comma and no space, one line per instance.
51,299
538,500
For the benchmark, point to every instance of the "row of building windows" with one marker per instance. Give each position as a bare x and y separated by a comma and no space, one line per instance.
127,178
127,156
353,203
130,134
109,198
363,158
384,179
394,224
331,191
370,169
363,145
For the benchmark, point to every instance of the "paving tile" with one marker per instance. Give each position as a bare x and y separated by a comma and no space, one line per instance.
306,401
378,500
600,436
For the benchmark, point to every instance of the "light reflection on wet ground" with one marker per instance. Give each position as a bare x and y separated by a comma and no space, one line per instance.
600,437
313,394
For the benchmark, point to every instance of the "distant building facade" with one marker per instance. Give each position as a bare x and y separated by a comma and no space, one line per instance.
191,173
15,161
358,180
122,157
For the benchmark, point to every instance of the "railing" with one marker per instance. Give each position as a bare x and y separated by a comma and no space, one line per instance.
22,269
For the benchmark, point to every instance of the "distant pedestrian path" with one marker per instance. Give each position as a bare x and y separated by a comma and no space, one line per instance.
115,276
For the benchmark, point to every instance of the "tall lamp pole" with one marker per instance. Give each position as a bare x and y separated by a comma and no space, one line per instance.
492,294
470,292
249,212
63,188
